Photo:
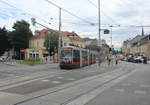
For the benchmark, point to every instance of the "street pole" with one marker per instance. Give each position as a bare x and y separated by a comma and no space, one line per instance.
111,36
99,29
49,45
59,44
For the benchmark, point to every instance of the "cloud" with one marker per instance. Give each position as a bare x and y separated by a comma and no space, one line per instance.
124,12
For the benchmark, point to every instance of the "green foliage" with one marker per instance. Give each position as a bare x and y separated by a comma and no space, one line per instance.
51,42
4,42
30,62
21,35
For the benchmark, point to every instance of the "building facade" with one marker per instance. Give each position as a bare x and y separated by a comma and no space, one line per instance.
36,44
137,45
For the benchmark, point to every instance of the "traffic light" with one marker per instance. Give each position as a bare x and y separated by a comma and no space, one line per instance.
106,31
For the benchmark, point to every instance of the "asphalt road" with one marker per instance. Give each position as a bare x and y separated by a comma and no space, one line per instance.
45,85
134,90
65,76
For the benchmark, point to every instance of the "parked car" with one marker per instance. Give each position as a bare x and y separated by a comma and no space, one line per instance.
3,58
130,58
138,59
124,59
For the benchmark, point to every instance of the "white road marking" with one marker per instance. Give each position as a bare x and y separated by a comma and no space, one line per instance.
119,90
56,82
45,80
139,92
71,79
144,86
10,74
60,77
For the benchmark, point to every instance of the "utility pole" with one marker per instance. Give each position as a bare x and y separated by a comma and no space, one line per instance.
111,35
99,30
99,21
59,44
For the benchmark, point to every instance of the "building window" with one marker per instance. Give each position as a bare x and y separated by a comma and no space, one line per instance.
37,55
30,55
65,44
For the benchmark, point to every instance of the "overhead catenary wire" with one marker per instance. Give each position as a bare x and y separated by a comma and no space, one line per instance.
63,9
25,13
102,11
4,14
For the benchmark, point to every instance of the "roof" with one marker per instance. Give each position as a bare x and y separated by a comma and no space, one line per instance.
42,33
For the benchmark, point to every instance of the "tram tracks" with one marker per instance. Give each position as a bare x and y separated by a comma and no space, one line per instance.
102,79
24,79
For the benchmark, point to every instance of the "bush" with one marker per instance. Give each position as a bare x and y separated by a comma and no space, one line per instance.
30,62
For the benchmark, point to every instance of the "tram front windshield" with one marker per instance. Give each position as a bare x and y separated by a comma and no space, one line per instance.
66,54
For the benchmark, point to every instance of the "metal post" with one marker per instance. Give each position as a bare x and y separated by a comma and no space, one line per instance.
99,21
59,45
49,47
99,29
111,36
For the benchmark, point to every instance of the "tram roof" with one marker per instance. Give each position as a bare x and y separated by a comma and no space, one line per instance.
74,47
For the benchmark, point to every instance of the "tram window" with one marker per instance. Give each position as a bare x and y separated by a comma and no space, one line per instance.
76,55
84,55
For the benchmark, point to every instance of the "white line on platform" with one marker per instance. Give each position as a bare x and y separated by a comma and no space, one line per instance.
45,80
144,86
140,92
71,79
56,82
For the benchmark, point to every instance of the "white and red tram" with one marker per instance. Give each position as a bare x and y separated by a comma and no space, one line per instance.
76,57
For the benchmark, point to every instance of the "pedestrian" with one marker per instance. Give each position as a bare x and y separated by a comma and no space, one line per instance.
46,59
116,59
99,61
109,60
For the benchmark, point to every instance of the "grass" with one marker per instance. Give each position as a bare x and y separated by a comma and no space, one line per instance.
30,62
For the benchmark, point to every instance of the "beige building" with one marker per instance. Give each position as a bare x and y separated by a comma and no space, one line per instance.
36,44
137,45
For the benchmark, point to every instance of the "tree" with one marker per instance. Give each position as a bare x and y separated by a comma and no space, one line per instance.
20,36
4,42
51,42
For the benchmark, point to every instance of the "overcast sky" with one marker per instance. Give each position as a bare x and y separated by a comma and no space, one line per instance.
113,12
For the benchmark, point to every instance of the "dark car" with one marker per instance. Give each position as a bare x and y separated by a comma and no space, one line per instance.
130,58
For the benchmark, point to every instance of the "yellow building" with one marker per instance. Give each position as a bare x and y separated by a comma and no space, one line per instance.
36,44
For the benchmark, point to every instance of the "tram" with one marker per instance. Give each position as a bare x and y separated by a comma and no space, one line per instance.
76,57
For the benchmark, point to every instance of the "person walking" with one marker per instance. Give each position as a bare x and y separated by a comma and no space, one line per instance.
109,60
116,59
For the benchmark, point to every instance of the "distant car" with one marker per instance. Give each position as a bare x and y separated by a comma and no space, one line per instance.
124,59
130,58
138,59
3,58
121,57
